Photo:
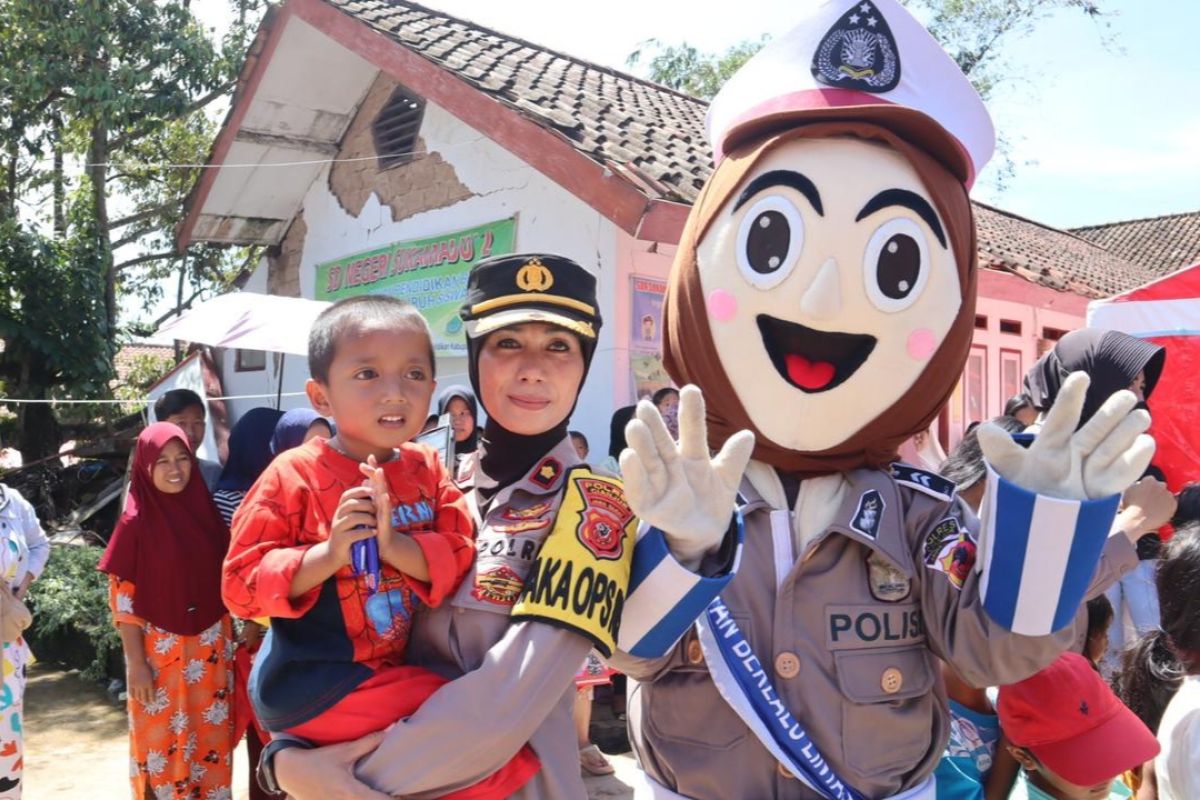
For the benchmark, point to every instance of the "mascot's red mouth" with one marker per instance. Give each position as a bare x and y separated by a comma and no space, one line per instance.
811,360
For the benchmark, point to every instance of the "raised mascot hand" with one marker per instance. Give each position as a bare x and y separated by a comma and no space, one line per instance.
1101,459
678,487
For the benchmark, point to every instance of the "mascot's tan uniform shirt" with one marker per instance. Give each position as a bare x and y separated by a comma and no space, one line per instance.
514,681
850,632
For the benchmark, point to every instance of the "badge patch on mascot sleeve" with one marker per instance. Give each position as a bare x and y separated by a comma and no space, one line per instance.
581,575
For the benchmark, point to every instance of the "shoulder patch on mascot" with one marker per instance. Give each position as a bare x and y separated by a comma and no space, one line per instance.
950,549
581,574
924,481
869,514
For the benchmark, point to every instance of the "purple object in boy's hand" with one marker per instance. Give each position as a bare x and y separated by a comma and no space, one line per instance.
364,560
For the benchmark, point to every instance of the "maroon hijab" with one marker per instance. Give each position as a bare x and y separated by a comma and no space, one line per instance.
170,545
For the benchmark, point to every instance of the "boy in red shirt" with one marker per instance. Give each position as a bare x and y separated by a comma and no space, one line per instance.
332,668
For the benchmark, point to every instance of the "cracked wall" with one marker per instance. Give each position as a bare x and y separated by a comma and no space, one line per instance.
283,262
426,183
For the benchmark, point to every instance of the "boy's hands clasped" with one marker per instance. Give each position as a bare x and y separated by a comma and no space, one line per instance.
354,520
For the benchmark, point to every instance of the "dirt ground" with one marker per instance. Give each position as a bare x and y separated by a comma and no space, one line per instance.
76,744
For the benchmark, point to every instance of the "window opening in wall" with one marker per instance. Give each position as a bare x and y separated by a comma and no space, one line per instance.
395,129
251,360
1010,326
981,322
975,386
1053,334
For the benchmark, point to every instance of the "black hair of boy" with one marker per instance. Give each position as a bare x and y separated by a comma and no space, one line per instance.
352,313
1016,403
1188,509
580,438
1099,615
176,401
1154,667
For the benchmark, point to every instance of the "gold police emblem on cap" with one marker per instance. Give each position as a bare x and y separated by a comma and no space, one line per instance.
535,276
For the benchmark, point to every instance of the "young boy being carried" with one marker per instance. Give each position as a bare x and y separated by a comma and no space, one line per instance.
332,668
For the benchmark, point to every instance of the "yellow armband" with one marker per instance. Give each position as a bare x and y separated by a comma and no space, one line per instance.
581,575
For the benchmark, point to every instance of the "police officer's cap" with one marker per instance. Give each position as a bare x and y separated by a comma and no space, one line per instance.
530,287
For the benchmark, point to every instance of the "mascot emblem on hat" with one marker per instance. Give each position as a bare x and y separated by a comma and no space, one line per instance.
859,52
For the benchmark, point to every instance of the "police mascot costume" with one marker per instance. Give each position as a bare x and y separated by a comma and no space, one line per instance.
820,311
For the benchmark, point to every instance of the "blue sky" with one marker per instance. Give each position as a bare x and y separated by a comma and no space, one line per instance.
1099,133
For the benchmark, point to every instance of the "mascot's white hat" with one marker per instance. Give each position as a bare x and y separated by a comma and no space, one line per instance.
868,60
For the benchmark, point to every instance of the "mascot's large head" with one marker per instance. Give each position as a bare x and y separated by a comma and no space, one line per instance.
823,294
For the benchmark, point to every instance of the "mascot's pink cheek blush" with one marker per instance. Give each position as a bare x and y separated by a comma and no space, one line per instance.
921,344
722,306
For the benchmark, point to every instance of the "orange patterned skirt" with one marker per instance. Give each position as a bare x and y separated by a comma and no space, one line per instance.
181,743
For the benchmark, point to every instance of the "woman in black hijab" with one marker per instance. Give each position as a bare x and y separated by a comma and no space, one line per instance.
1113,360
459,403
528,353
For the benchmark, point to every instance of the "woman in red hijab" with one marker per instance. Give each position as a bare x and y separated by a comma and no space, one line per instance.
164,567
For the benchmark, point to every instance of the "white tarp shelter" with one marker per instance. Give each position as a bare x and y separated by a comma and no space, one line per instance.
248,321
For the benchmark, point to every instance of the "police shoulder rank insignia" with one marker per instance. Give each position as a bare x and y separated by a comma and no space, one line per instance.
949,549
869,514
859,52
581,574
546,473
929,483
889,583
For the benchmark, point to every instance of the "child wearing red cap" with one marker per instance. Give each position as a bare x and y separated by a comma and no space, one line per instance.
1071,734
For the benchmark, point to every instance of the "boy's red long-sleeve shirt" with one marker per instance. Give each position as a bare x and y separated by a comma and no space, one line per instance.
330,639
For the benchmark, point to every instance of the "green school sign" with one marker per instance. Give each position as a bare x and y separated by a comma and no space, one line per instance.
429,273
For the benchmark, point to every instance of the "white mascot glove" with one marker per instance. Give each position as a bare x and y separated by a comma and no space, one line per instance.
678,488
1101,459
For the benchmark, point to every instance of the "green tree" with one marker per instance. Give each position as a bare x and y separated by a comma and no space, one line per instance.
52,324
684,68
974,32
96,97
112,82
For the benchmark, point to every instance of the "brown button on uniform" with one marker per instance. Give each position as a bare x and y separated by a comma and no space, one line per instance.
782,770
892,680
694,654
787,665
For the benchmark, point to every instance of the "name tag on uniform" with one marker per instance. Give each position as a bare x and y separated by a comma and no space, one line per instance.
858,627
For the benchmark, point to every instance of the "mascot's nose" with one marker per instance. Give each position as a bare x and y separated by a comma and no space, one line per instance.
823,298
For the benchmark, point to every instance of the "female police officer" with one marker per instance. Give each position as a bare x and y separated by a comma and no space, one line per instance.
554,547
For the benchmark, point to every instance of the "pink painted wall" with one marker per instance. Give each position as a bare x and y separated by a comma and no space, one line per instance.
645,259
1016,321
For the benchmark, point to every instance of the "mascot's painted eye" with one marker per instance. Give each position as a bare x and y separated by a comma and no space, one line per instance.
769,241
896,265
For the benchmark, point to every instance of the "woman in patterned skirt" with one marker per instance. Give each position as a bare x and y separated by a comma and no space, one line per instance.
23,553
164,567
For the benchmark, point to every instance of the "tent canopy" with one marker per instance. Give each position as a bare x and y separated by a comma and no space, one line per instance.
1167,312
249,321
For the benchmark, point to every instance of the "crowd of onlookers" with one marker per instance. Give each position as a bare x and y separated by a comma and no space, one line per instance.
1119,716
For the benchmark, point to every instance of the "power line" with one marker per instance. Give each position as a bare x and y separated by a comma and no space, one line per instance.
138,400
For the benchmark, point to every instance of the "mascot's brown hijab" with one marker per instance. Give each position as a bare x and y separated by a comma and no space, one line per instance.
691,357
